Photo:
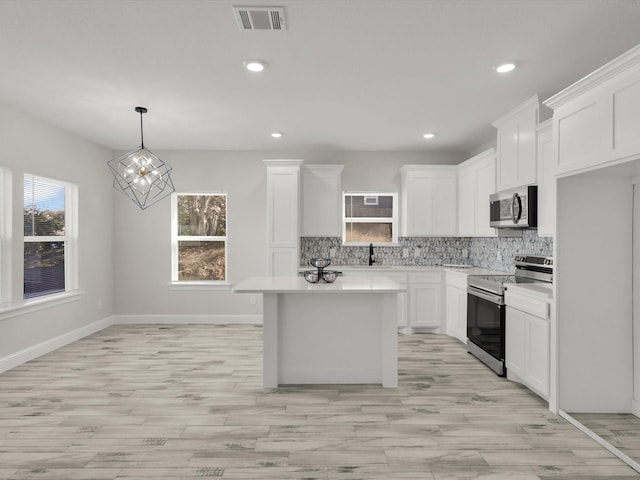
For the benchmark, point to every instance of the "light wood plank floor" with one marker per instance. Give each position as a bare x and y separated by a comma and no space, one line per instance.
177,402
620,430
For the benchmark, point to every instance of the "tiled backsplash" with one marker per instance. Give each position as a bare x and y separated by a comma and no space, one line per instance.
423,251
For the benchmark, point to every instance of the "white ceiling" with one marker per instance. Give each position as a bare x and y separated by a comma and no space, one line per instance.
367,75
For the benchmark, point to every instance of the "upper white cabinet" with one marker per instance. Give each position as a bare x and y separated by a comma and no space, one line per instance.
597,119
283,198
321,209
546,181
429,200
476,182
516,145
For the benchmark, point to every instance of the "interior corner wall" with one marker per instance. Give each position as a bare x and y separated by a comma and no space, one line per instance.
143,238
30,145
594,295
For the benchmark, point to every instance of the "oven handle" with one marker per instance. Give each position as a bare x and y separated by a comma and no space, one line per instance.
490,297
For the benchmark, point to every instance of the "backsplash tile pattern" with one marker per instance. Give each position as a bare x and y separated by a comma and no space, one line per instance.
483,250
480,252
433,251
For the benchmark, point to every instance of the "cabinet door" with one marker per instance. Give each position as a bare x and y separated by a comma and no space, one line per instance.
485,187
445,201
527,161
546,184
467,202
419,205
453,313
462,315
515,355
425,305
321,208
537,374
507,141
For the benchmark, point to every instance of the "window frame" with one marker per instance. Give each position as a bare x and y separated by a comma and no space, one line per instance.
393,220
177,284
70,239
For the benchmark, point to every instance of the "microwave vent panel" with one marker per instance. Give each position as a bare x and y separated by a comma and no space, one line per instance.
259,18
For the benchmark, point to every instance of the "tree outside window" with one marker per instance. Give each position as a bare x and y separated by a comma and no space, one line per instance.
199,238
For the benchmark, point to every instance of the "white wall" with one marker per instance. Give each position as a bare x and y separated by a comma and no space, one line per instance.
593,275
142,239
33,146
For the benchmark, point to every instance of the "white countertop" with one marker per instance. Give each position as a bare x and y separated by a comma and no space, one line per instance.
365,284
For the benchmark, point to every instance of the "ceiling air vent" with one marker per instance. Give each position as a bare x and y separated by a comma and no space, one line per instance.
260,18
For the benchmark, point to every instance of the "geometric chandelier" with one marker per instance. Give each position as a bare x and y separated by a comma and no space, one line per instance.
140,174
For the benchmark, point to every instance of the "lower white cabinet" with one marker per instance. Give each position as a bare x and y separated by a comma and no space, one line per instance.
421,307
403,298
425,301
456,298
527,342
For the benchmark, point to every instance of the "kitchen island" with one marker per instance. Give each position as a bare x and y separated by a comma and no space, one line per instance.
328,333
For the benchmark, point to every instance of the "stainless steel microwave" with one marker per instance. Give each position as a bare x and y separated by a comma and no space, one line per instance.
516,208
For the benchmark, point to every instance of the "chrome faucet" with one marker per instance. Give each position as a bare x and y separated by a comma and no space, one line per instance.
372,258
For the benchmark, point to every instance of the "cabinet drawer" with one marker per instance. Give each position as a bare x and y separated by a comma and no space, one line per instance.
532,306
458,280
425,278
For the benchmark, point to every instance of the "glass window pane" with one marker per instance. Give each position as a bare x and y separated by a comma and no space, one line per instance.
43,208
43,268
367,206
202,215
369,232
201,261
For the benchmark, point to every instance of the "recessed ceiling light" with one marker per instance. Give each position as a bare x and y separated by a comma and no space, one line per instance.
255,65
276,135
429,136
505,67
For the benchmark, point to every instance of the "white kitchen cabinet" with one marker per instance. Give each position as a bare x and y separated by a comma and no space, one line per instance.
400,277
456,307
476,182
527,345
596,120
546,181
516,145
425,301
429,200
321,195
283,199
515,344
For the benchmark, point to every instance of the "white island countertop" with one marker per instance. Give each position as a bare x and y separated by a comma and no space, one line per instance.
343,284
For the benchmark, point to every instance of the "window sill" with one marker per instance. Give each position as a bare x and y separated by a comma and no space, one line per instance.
36,304
195,286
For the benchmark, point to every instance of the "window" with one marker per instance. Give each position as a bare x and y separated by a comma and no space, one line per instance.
49,236
370,218
199,238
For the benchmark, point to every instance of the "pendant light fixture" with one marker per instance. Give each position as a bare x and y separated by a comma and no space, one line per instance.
140,174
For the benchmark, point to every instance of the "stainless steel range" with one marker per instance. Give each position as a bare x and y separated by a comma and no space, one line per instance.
486,308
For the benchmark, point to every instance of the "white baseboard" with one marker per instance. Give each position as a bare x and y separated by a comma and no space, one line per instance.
187,319
35,351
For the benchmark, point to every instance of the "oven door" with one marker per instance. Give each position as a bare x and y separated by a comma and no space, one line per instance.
486,328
